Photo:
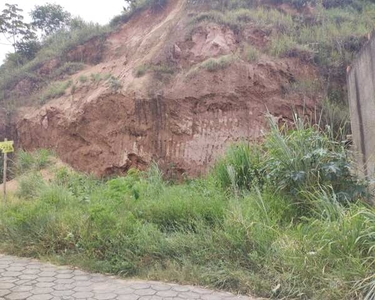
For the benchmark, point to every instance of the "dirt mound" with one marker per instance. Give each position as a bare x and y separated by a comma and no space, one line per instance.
161,104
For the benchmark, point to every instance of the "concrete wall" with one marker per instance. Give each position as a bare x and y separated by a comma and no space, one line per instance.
361,87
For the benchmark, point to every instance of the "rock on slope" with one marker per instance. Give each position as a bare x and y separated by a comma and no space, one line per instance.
182,120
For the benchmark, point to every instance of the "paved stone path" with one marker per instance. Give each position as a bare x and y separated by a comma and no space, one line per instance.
26,279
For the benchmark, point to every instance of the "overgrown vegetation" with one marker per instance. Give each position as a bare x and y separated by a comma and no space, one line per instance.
283,219
54,47
54,90
328,35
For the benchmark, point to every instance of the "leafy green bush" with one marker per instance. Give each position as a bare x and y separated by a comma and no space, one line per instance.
305,158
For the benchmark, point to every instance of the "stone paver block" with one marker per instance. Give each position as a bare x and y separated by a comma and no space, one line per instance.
83,295
4,292
26,279
107,296
18,296
145,292
41,297
167,294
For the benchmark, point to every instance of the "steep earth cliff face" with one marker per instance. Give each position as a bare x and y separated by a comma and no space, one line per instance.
182,120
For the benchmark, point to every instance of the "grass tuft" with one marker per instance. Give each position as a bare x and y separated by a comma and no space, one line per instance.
215,64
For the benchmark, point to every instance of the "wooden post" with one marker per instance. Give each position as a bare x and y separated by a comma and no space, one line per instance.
5,175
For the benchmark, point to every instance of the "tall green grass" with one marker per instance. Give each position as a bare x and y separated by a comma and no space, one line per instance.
269,220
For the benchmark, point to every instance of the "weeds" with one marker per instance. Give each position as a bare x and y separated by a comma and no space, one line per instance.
267,220
251,54
54,90
28,161
95,78
215,64
83,79
159,70
140,71
114,84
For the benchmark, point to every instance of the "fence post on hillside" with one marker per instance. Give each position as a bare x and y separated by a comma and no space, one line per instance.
5,174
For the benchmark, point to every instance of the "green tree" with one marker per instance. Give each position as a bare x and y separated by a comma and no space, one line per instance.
50,18
15,30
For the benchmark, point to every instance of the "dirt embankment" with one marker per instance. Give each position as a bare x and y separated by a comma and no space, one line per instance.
178,114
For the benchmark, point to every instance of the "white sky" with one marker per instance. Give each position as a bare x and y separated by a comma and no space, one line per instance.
101,11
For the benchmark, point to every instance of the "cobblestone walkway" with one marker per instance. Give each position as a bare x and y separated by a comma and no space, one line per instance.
22,279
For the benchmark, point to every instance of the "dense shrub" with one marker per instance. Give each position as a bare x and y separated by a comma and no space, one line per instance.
293,163
305,158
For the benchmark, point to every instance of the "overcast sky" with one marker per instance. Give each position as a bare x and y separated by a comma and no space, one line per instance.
100,11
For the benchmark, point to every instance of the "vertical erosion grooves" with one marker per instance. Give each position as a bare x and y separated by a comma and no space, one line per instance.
115,133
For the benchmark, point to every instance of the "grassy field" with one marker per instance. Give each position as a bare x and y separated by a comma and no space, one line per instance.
285,219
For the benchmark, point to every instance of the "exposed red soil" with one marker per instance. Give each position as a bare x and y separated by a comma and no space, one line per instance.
182,121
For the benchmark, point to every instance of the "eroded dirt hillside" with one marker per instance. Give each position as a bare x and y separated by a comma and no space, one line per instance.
160,104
